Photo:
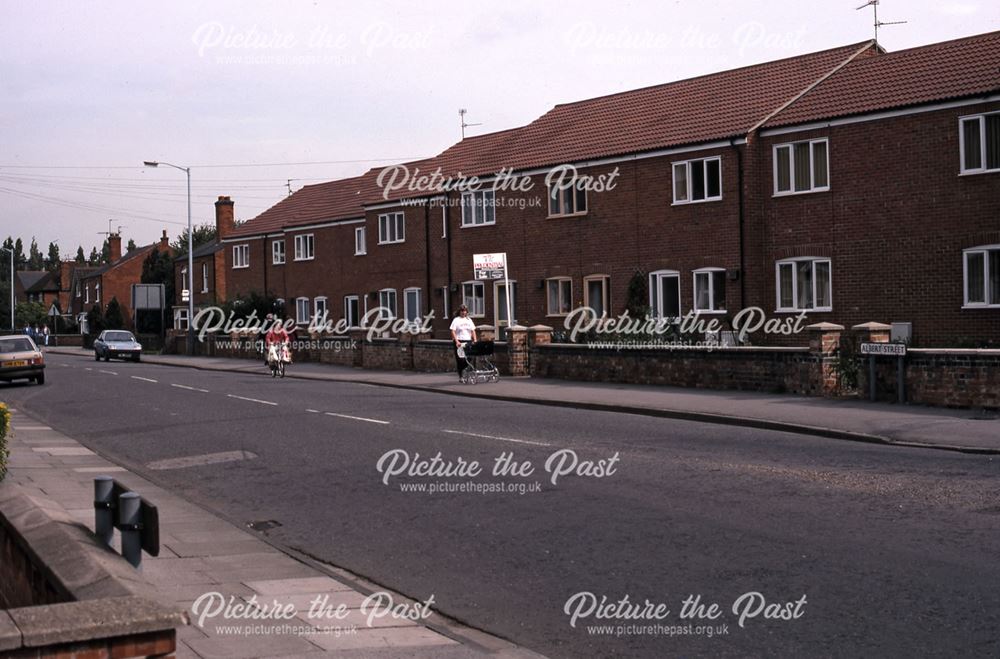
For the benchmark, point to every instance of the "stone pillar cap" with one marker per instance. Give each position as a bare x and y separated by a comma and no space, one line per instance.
484,327
540,328
517,328
825,327
872,326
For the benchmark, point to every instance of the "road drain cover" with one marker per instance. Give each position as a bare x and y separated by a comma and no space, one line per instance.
263,525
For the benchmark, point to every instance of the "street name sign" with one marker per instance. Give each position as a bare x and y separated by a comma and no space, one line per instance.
888,349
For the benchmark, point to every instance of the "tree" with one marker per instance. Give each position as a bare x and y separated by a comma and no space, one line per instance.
255,304
113,317
35,261
30,313
52,261
157,268
637,297
130,246
19,261
95,258
105,252
81,258
201,234
95,320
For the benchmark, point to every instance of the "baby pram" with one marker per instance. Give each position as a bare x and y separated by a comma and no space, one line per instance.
479,367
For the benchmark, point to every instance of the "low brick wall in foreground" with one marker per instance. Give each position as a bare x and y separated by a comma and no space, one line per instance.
940,377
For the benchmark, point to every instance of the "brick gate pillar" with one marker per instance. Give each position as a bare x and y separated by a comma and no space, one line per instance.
824,341
517,347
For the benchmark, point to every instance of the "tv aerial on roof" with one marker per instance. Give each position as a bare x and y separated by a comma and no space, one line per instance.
874,5
461,116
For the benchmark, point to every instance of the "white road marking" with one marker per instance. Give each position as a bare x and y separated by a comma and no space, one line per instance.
199,460
184,386
136,377
87,368
500,439
252,400
31,427
108,372
357,418
313,411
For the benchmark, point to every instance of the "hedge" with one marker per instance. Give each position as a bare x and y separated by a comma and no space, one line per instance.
4,429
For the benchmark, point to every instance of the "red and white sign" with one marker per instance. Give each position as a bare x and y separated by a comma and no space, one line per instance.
490,266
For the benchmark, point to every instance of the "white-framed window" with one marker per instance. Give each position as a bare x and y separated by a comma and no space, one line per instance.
241,256
204,277
567,201
411,305
558,296
391,228
698,180
360,248
665,294
352,310
305,247
387,303
180,319
86,290
802,167
597,294
804,284
980,143
710,290
97,292
478,208
278,251
184,279
78,289
302,310
981,275
320,307
474,297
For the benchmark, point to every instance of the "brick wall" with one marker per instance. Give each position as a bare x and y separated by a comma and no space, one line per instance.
943,378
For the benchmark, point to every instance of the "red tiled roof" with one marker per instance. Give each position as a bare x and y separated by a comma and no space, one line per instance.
948,70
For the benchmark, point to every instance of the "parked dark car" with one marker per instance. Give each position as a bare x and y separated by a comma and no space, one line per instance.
117,343
20,359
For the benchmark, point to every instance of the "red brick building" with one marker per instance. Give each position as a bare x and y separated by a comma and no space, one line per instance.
850,184
209,268
113,280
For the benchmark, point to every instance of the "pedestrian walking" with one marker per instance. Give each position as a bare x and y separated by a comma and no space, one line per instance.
462,331
45,334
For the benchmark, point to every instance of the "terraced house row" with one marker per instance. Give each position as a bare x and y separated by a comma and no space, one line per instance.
853,184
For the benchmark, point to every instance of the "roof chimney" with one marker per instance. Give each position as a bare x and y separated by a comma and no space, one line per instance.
224,222
164,245
114,247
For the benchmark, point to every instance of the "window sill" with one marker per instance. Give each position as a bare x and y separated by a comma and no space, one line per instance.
391,242
559,217
476,226
308,258
710,312
801,192
556,315
973,307
277,263
816,310
240,267
978,172
360,253
696,201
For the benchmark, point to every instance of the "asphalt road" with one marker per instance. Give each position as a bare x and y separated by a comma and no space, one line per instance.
895,550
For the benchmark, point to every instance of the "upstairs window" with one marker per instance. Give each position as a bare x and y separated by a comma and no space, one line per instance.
304,247
804,284
698,180
360,248
801,167
980,144
277,252
982,276
478,208
241,256
204,277
567,201
391,228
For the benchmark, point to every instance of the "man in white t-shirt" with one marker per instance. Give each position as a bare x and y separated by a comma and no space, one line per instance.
463,330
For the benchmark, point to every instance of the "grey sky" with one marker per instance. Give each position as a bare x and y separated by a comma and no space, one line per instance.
102,85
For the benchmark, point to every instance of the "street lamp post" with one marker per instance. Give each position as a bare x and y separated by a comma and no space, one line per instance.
187,171
8,249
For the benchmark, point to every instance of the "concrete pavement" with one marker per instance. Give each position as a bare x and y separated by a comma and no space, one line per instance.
204,557
971,431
